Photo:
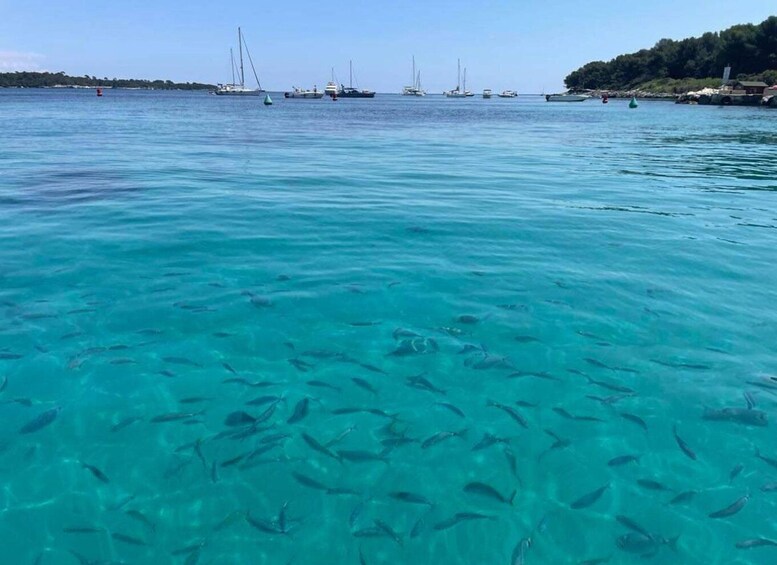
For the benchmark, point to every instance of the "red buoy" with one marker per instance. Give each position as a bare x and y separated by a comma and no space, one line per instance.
99,92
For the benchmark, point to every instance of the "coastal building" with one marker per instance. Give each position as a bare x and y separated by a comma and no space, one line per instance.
749,87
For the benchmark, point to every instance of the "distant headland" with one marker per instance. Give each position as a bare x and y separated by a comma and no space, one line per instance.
23,79
674,67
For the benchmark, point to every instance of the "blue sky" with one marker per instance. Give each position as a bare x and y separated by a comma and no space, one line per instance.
528,46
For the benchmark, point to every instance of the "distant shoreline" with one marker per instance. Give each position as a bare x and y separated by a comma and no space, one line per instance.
25,79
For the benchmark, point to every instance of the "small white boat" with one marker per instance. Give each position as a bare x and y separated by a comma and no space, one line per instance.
331,87
239,88
566,97
300,93
487,93
416,89
508,94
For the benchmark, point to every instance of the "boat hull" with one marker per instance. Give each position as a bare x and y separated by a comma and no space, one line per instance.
357,94
307,95
566,97
239,92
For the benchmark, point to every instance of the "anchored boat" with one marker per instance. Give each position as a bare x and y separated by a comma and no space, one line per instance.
297,92
351,92
566,97
239,88
508,94
459,91
415,89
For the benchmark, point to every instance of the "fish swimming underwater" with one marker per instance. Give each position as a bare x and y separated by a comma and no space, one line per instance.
746,416
415,346
40,421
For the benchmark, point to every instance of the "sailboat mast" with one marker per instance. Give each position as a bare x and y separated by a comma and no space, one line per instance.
458,78
350,74
232,65
240,43
413,77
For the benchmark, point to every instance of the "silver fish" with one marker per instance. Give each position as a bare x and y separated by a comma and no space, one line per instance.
361,456
40,421
683,444
748,417
647,546
488,491
765,459
98,474
757,542
441,436
410,497
300,411
588,499
732,508
519,552
623,460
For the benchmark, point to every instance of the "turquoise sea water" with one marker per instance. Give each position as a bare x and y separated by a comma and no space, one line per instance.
546,268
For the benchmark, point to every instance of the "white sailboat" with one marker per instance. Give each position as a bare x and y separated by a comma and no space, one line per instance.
464,85
235,88
457,92
415,89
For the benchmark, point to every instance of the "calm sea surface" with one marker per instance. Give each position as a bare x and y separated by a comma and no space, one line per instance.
343,333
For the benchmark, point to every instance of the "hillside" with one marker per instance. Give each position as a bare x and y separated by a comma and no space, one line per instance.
750,49
43,80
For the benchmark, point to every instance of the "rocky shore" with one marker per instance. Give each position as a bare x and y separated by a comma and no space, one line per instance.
639,94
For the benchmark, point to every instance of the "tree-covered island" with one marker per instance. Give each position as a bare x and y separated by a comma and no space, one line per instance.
689,64
28,79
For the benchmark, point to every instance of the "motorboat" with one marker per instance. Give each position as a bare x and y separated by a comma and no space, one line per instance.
508,94
566,97
331,89
297,92
236,88
487,93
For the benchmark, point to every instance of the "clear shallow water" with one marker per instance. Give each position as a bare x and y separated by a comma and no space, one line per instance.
147,239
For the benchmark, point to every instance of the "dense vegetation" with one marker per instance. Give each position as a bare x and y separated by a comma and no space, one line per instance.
751,50
38,80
